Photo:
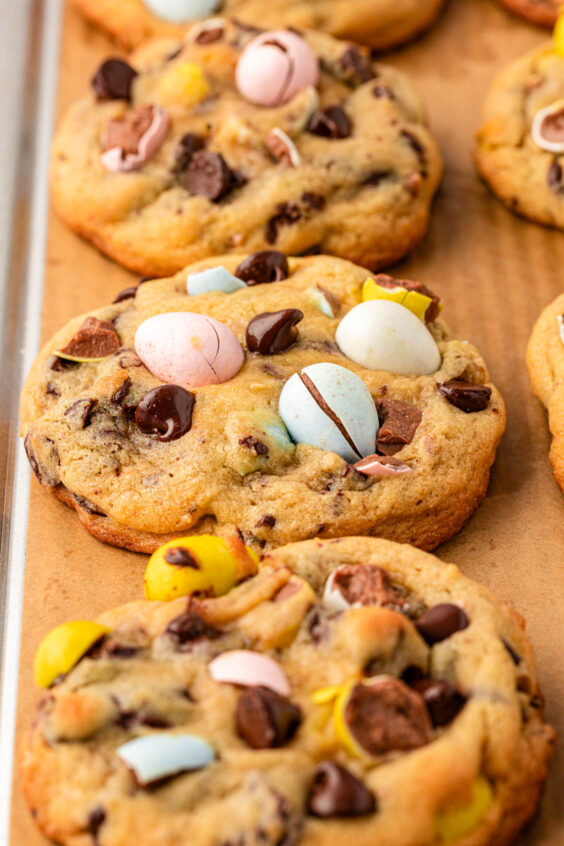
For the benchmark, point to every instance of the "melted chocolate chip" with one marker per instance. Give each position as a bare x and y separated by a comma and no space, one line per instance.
209,176
356,67
331,122
113,649
121,393
274,331
377,177
166,411
417,148
113,80
188,145
180,557
94,339
444,702
398,423
380,90
515,657
466,396
367,585
125,294
315,202
266,720
129,719
96,819
286,214
42,473
51,390
335,792
266,520
258,447
441,621
88,506
554,176
433,308
80,413
188,627
263,267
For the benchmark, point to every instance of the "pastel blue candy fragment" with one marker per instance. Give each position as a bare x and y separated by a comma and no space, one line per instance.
157,756
279,436
213,279
320,300
182,11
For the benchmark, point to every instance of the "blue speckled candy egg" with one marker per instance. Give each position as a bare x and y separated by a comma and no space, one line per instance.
213,279
182,11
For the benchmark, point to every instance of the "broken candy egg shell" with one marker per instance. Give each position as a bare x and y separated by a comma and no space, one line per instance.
270,74
332,596
536,128
453,825
63,647
340,723
67,357
559,35
372,465
184,83
412,300
383,335
249,669
349,399
115,162
213,279
157,756
182,11
189,350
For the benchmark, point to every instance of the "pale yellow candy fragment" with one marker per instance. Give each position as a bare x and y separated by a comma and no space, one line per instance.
68,357
202,564
62,649
559,34
412,300
183,84
338,696
454,824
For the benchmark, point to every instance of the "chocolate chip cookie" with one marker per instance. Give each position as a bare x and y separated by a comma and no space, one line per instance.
542,12
520,151
231,142
253,412
379,23
353,691
545,361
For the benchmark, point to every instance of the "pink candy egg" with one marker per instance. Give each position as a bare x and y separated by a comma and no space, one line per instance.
187,349
249,669
114,160
274,67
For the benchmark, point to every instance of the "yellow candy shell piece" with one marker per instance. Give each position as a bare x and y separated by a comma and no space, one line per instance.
415,302
68,357
559,34
325,695
341,728
184,84
62,649
454,824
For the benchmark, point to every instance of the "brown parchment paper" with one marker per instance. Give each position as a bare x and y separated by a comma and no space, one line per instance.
495,273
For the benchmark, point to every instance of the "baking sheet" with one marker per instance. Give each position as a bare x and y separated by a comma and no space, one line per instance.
495,273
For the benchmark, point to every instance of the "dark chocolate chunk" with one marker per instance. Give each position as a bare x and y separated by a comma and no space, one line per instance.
114,649
166,411
80,413
367,585
266,720
286,214
188,627
258,447
441,621
266,520
356,66
515,657
331,122
466,396
96,819
188,145
554,176
113,80
398,424
335,792
444,702
41,471
380,90
180,557
130,719
263,267
377,177
52,390
433,308
315,202
417,148
387,715
273,331
121,393
125,294
94,339
209,176
88,506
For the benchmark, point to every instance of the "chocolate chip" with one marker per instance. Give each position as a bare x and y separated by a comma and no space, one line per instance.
188,145
42,472
166,411
444,702
398,423
113,80
188,627
377,177
209,176
145,279
113,649
80,413
180,557
380,90
125,294
316,202
127,132
96,819
417,148
314,250
335,792
441,621
122,392
266,520
60,364
356,67
387,715
367,585
258,447
554,176
129,719
433,308
331,122
94,339
466,396
266,720
52,390
515,657
88,506
263,267
286,214
273,331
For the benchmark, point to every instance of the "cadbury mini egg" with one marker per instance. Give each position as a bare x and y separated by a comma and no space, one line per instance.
157,756
213,279
201,564
249,669
383,335
63,647
182,11
547,128
274,67
330,407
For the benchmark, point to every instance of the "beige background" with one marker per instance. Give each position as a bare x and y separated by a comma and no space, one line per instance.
495,273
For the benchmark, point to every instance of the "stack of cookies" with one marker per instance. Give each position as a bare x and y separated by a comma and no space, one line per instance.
283,427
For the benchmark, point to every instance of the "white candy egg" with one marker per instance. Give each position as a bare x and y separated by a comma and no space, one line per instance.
157,756
213,279
181,11
330,407
383,335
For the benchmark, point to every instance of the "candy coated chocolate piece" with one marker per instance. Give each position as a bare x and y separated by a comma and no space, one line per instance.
183,83
113,80
266,720
441,621
381,335
157,756
182,11
202,564
384,715
325,300
330,407
359,585
331,122
399,422
417,303
209,176
274,67
213,279
263,267
382,283
130,143
166,411
282,148
335,792
62,649
95,339
189,144
125,294
466,396
444,702
548,128
188,349
249,669
455,823
382,466
274,331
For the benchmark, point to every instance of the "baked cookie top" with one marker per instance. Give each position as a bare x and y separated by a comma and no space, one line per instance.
379,23
545,362
542,12
309,705
521,143
235,441
324,151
